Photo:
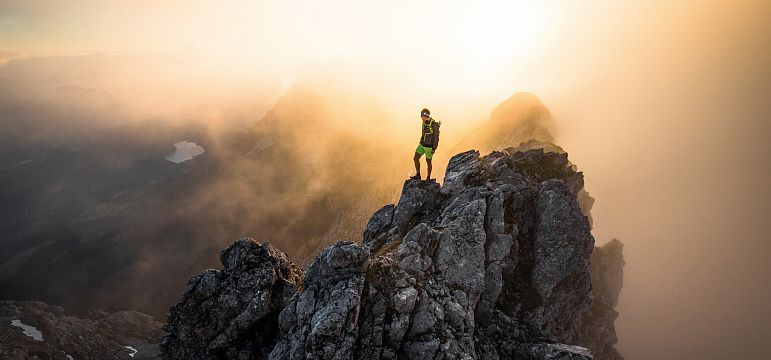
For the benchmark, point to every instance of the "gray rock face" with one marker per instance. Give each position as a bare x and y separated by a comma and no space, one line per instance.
35,330
553,351
497,266
322,321
233,313
494,264
599,333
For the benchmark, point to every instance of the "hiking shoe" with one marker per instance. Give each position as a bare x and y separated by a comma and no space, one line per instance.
415,177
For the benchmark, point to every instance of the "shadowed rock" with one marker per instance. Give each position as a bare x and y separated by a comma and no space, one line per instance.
494,264
321,322
233,313
607,280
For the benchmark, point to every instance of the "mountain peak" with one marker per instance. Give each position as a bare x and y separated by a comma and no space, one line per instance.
520,118
495,263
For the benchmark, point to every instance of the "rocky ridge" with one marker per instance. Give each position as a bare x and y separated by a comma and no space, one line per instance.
498,262
233,313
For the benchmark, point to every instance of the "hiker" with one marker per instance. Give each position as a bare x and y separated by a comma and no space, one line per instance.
429,141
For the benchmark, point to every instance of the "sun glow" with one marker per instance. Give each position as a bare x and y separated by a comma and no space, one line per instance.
496,34
426,37
460,56
434,51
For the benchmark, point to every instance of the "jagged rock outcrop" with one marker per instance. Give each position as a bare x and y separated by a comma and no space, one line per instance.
322,321
36,330
607,279
233,313
493,264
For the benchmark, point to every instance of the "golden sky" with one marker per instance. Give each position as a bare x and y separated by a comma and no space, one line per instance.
448,49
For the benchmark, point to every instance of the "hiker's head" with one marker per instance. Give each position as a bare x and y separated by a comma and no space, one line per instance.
425,114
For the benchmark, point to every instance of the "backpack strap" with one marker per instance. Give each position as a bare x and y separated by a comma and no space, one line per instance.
430,125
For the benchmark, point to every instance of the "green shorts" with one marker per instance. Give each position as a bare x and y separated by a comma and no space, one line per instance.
425,150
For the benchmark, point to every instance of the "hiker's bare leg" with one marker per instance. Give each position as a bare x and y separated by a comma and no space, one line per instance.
428,176
416,158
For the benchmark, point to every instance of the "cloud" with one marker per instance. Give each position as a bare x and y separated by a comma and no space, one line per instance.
8,55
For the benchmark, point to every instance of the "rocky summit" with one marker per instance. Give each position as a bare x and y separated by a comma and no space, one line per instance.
497,263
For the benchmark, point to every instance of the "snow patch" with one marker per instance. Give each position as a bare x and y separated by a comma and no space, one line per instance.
186,150
30,331
131,348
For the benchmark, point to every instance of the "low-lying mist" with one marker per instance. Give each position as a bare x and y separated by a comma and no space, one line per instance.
94,216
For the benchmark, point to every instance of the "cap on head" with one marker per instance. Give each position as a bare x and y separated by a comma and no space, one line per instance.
425,112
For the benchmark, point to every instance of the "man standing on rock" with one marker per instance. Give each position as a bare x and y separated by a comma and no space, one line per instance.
429,141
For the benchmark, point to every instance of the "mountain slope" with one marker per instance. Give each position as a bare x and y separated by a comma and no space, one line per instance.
36,330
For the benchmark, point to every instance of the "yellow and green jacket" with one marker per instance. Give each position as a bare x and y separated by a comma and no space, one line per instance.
429,136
